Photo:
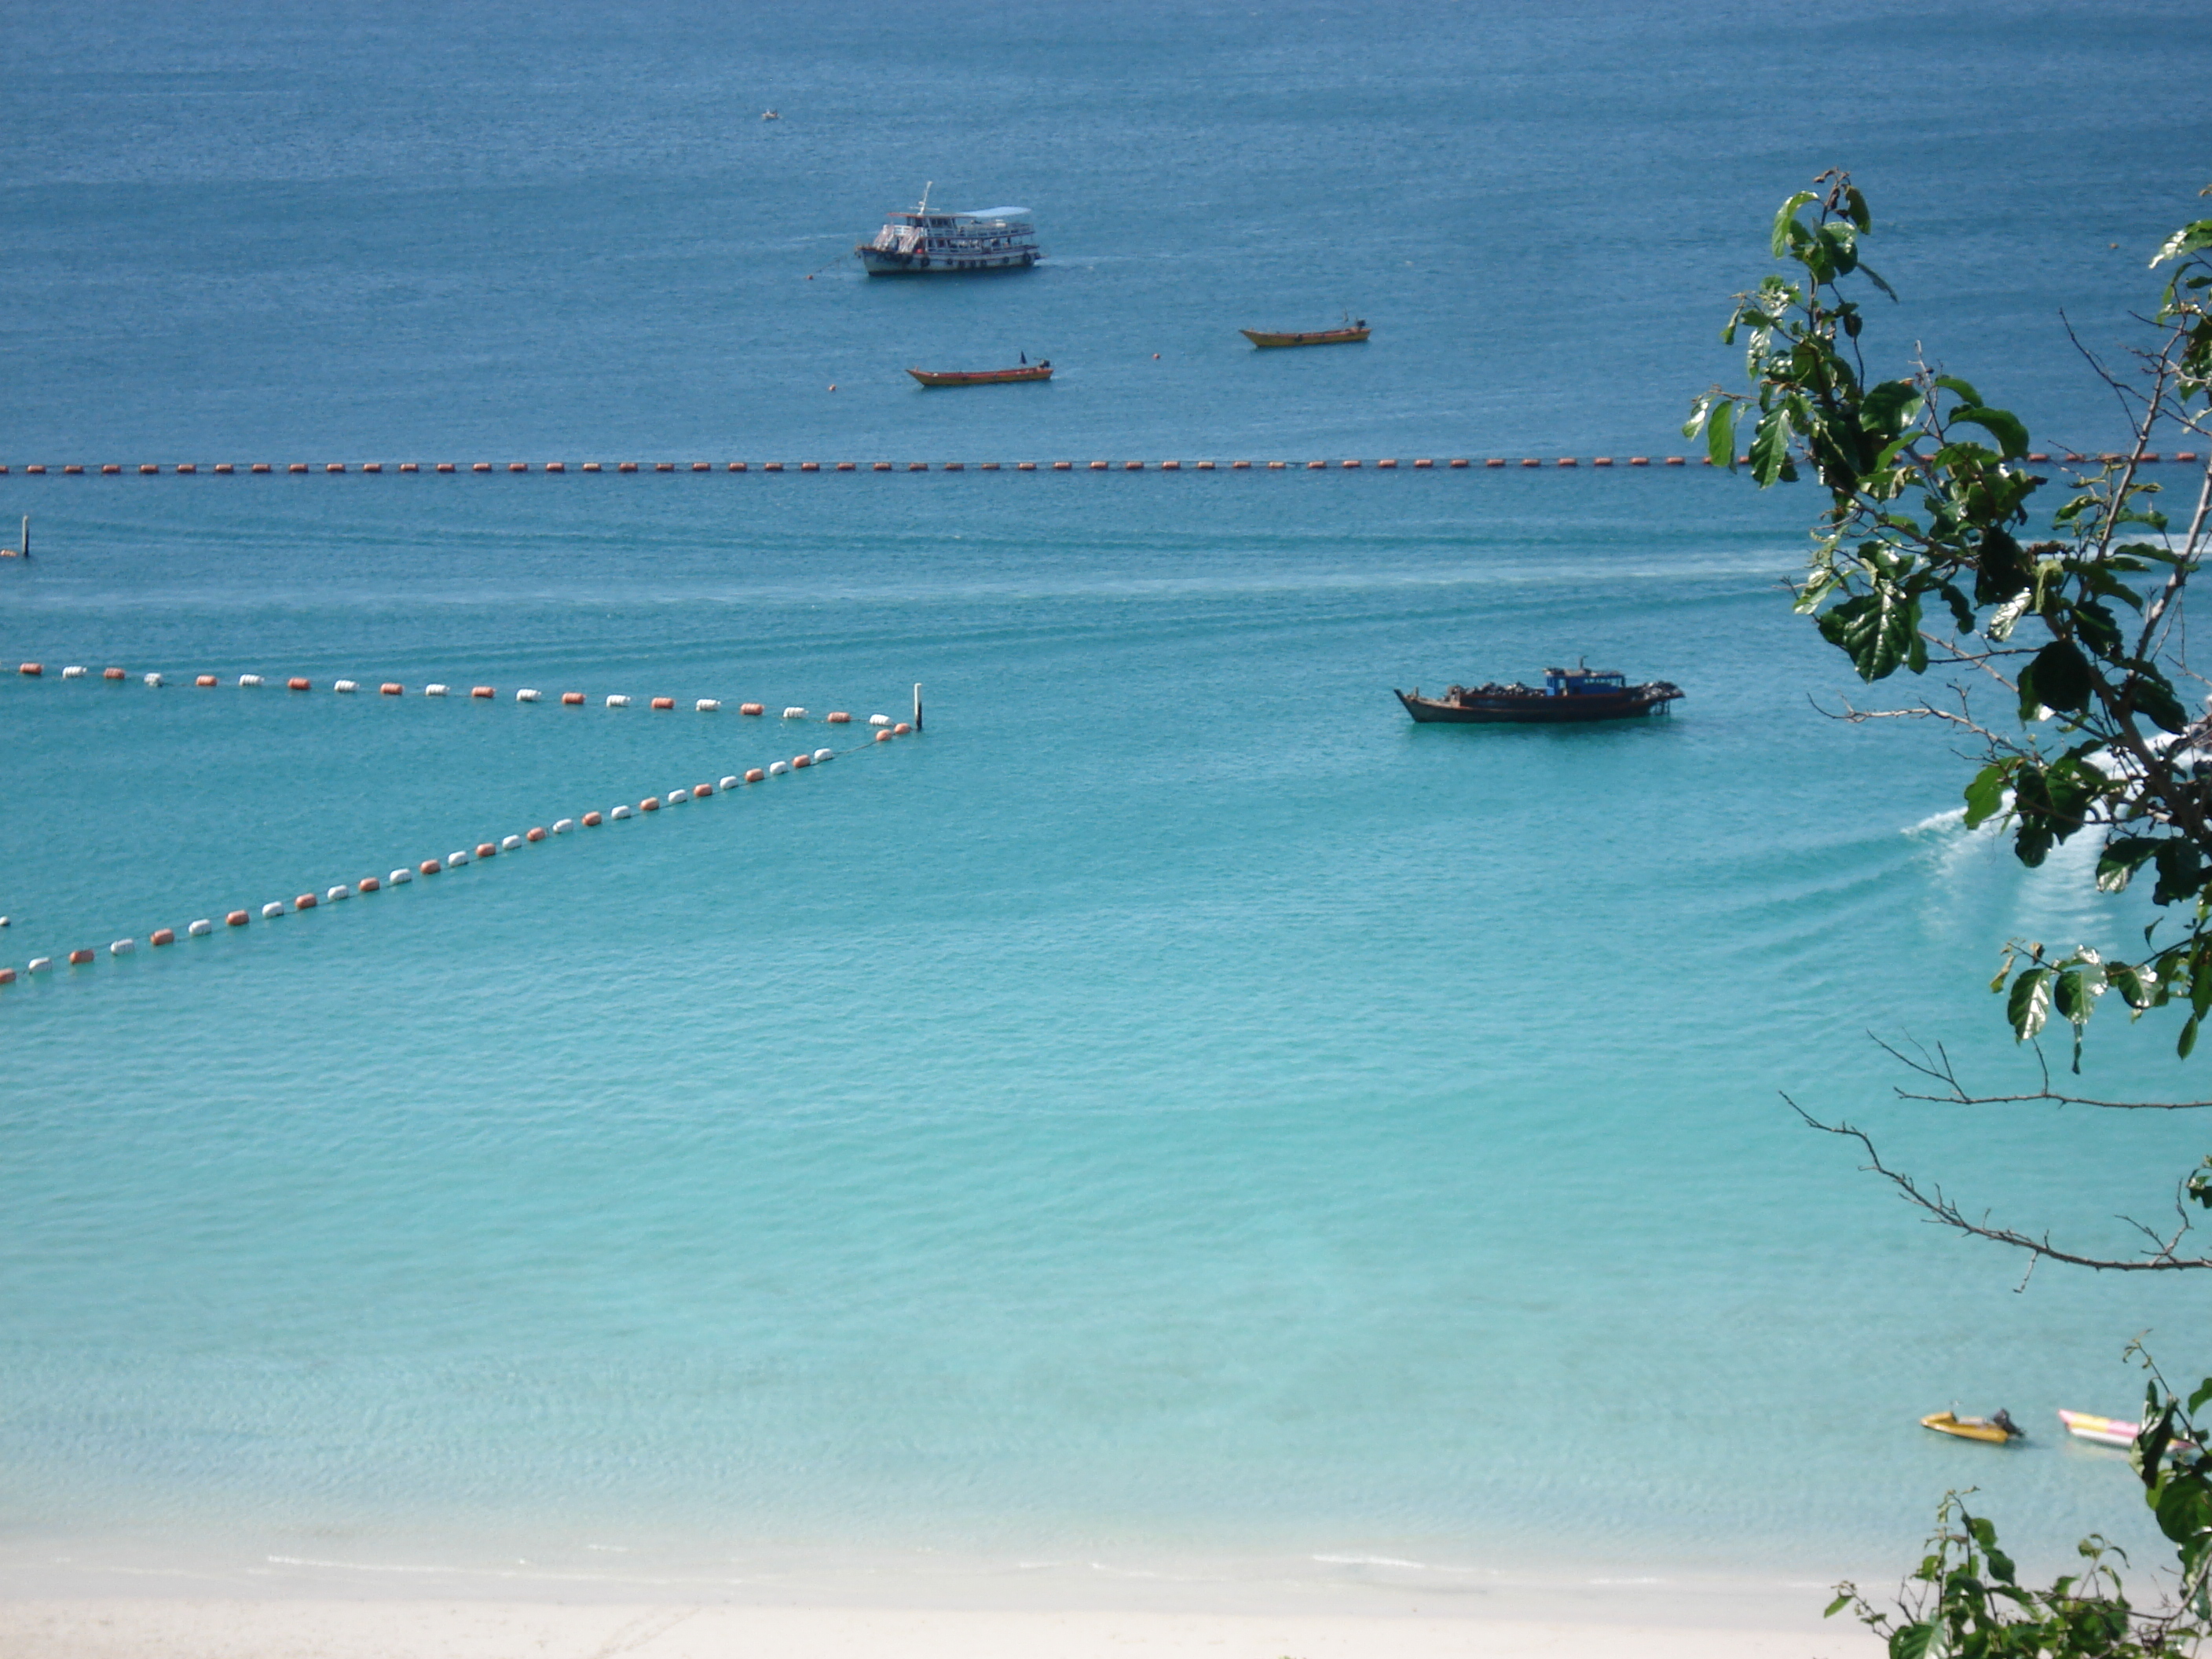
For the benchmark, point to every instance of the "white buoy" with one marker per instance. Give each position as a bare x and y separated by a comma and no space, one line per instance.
707,705
676,796
123,947
249,679
617,702
619,812
271,910
525,694
510,843
794,714
75,672
340,892
201,928
727,785
822,755
434,690
879,720
399,878
342,686
777,769
39,964
153,679
563,826
455,860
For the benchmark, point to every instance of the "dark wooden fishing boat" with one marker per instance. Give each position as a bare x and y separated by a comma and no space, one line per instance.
1352,332
983,376
1567,695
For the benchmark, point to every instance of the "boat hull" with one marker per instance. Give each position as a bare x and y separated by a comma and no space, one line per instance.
889,262
1967,1428
1538,710
1319,336
983,377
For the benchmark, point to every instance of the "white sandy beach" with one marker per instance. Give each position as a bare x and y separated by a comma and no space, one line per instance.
144,1627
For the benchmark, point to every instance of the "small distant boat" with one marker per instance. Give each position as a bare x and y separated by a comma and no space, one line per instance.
2105,1431
1350,332
1041,370
1994,1431
1567,694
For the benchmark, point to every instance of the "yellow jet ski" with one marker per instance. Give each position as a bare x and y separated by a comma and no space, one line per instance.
1996,1431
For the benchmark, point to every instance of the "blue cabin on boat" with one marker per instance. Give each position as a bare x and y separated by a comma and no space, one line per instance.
1584,682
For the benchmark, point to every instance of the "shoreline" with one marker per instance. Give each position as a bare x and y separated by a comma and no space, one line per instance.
53,1605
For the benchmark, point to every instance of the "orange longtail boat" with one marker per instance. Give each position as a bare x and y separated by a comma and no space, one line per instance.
1041,371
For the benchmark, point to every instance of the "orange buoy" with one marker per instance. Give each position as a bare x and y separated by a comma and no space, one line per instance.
1673,460
810,466
162,936
650,803
556,466
430,866
572,700
236,919
797,761
518,466
1603,460
1525,461
1205,466
1639,460
664,702
879,466
295,683
1063,466
1240,466
755,775
482,692
752,709
187,467
663,466
35,669
367,884
839,717
7,975
591,820
305,901
900,729
625,467
883,737
486,849
956,466
1569,460
534,833
1133,466
112,674
1387,461
591,466
366,466
410,466
480,466
392,689
846,466
333,466
1277,467
78,958
701,790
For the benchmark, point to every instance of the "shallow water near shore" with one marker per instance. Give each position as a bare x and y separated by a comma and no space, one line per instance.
1171,1116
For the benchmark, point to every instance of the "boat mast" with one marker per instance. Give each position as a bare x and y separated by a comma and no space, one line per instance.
926,189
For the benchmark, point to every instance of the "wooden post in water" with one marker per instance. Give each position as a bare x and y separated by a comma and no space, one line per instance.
24,551
917,704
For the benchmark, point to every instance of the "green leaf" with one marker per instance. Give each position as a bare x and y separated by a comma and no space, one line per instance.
2187,1045
2007,429
2154,700
2057,678
2189,239
2001,567
1912,1641
1877,631
1836,1607
1770,448
1986,793
2123,856
1952,383
2029,1006
1785,223
1720,434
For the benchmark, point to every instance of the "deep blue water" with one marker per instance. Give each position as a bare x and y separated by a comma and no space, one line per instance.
1172,1105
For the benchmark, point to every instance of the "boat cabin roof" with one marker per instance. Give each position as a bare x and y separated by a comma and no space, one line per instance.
946,220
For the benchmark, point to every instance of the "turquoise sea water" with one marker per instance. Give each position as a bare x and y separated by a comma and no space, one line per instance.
1171,1109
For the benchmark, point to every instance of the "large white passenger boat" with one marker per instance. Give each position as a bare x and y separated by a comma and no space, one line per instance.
923,242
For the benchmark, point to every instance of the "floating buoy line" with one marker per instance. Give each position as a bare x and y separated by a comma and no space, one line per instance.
884,730
1386,463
